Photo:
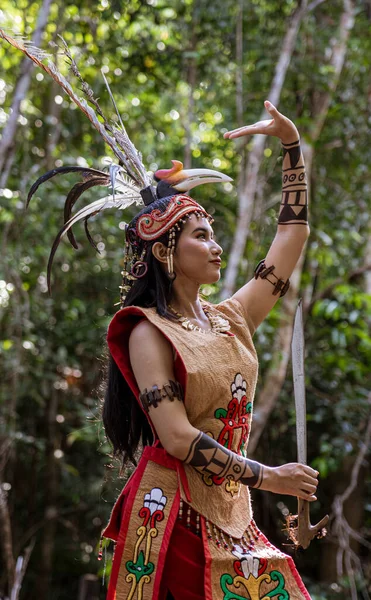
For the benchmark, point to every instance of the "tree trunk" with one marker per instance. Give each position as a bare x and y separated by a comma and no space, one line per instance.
239,65
277,372
51,508
191,77
54,109
342,556
6,538
352,513
7,144
89,588
250,182
368,272
7,148
20,570
349,501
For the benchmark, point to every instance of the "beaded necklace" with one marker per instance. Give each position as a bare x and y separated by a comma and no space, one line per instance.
217,323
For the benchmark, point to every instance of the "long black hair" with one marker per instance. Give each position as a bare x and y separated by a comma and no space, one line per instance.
125,424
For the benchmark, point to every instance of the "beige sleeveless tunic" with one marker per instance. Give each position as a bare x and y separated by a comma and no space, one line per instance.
218,373
221,378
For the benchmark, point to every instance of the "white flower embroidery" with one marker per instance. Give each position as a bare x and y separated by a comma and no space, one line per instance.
155,500
249,563
238,387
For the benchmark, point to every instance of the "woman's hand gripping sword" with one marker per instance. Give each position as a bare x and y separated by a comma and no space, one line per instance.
305,531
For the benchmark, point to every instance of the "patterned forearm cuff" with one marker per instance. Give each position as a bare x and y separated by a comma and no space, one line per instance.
294,205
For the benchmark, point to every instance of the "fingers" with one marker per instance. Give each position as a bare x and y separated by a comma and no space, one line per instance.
309,480
310,471
309,489
259,127
278,125
235,133
309,484
272,109
306,482
301,470
294,479
306,496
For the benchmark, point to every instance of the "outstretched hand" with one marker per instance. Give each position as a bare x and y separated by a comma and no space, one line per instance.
279,126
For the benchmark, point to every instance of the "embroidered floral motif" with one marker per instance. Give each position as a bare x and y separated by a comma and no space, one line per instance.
235,418
140,568
250,574
232,486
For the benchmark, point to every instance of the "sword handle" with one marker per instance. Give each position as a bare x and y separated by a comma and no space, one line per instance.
306,531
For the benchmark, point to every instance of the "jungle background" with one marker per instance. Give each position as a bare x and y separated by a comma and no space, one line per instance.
183,73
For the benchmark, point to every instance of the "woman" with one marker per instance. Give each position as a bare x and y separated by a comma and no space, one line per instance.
183,523
182,379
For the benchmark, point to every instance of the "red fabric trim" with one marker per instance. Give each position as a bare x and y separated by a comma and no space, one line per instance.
161,457
165,545
113,527
155,454
208,585
297,578
125,520
293,569
183,480
119,331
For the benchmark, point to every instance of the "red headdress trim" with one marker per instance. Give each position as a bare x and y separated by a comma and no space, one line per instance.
152,226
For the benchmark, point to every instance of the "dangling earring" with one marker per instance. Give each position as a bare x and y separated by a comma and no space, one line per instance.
140,267
170,253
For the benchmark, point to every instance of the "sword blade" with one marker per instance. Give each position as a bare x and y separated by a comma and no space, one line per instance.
297,353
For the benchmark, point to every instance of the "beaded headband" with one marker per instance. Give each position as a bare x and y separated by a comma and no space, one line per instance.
152,226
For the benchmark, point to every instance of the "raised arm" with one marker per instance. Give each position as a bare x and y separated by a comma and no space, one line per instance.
151,359
260,294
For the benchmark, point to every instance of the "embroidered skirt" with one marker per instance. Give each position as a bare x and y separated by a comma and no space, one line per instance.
158,547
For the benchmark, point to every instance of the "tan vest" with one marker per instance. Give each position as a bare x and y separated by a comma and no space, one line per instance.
221,374
218,374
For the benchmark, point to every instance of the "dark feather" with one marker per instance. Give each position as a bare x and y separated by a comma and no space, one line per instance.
50,261
87,232
87,211
86,172
75,193
65,229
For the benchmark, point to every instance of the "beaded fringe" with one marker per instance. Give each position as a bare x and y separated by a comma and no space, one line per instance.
220,538
185,515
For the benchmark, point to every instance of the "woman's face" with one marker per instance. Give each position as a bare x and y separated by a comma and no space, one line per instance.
197,255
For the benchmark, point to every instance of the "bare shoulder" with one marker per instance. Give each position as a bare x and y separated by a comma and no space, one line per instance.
150,353
143,331
147,336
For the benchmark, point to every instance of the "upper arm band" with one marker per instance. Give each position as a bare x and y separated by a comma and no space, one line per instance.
280,286
153,396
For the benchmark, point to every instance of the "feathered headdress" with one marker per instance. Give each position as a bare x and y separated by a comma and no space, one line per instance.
129,181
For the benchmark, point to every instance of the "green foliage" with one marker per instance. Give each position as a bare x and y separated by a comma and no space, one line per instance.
172,68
